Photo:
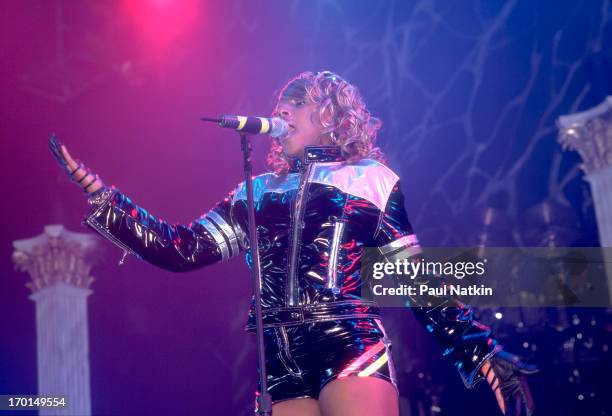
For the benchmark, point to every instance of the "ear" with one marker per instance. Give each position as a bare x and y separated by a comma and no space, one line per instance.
326,115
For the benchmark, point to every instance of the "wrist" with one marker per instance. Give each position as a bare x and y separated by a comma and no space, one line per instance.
100,196
94,185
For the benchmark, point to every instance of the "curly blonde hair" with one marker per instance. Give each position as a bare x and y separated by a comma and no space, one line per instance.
352,127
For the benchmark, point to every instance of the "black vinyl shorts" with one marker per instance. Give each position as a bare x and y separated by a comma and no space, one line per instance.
302,359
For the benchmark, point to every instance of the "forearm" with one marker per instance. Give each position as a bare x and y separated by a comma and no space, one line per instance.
466,342
133,229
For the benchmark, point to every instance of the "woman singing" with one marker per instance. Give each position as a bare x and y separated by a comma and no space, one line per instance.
328,195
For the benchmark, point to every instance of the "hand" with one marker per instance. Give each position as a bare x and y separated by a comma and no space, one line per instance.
77,172
505,373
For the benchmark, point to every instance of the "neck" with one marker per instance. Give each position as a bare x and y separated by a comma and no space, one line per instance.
323,153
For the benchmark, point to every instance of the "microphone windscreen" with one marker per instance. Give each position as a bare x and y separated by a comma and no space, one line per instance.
279,127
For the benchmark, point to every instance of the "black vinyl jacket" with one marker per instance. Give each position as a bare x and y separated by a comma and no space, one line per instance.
312,224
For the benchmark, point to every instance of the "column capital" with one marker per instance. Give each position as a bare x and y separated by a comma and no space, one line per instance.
56,255
590,134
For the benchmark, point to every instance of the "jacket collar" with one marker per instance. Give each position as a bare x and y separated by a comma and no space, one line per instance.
316,154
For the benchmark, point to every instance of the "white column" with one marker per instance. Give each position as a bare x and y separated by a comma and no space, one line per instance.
601,187
57,262
63,349
590,134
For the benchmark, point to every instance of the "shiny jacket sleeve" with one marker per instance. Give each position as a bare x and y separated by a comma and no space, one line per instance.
465,341
176,247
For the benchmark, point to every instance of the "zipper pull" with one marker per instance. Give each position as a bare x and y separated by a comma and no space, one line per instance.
123,258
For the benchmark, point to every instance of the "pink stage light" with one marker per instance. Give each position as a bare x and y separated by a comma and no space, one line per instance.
162,22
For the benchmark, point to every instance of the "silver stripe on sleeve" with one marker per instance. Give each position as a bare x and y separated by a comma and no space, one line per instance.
407,241
210,227
226,229
404,253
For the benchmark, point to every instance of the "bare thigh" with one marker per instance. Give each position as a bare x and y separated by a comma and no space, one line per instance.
359,396
296,407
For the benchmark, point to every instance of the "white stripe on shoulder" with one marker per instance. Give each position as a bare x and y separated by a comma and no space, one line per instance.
367,179
268,182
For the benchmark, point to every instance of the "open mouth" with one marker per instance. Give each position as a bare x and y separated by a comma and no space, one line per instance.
290,131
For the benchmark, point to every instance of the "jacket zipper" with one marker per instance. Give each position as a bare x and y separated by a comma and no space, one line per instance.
332,264
291,292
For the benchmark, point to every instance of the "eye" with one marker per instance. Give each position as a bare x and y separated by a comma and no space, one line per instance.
299,103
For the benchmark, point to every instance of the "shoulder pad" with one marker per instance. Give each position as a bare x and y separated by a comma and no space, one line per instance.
367,179
268,182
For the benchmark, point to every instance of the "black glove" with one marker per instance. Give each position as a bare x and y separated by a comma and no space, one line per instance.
77,172
56,150
506,373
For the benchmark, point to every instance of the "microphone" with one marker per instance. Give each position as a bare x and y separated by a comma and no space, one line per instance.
275,126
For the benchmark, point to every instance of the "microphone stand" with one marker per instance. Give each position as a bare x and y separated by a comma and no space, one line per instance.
264,401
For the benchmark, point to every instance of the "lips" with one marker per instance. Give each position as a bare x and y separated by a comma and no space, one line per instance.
291,130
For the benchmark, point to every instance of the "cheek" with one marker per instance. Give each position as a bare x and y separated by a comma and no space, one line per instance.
315,120
312,119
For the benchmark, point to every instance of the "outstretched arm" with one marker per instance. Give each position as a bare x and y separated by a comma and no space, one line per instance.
177,247
469,344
